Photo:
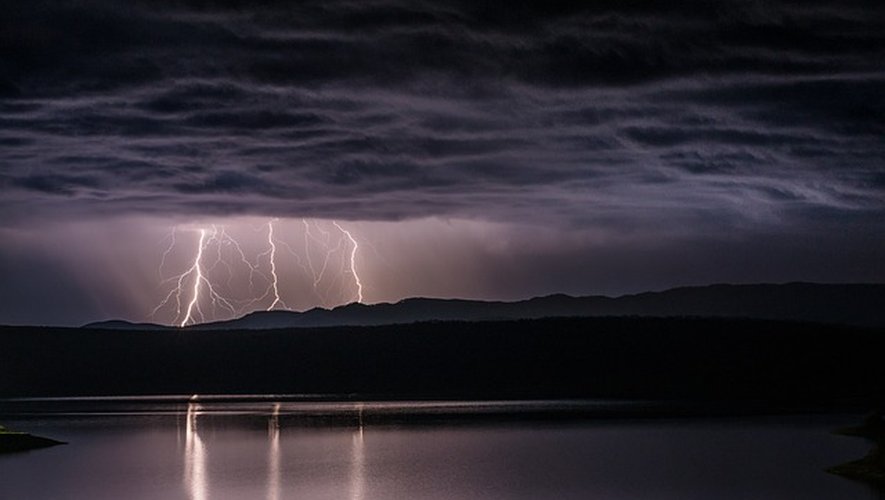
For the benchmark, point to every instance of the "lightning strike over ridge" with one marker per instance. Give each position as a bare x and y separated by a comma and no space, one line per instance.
197,279
273,268
356,277
234,271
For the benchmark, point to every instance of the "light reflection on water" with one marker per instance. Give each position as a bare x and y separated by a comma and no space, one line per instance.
194,457
273,454
203,450
357,470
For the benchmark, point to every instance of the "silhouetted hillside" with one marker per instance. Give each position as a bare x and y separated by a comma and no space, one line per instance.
768,362
119,324
861,305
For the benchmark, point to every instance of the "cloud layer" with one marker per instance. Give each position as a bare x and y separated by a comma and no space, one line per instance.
713,114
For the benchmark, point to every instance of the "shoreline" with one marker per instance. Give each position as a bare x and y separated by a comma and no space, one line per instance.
13,442
340,411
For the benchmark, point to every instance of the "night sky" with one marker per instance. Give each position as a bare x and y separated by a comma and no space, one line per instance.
499,151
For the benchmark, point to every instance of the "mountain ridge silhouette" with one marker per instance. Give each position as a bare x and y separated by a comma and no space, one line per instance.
845,304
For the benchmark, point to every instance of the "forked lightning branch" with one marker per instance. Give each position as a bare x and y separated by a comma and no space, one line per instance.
224,277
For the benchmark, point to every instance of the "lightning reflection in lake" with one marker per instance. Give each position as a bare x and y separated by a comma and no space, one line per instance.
357,461
273,454
194,456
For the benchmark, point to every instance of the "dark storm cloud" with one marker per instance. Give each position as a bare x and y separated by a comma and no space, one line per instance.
621,112
58,184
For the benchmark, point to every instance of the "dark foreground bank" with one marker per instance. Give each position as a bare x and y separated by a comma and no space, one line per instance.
11,441
870,468
769,363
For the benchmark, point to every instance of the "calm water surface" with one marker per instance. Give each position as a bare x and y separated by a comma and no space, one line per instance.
264,450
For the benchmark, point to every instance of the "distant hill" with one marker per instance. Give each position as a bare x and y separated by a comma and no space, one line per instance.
119,324
845,304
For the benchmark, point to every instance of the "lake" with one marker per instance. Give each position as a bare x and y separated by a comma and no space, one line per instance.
250,448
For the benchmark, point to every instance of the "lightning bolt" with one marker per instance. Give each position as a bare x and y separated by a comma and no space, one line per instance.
322,293
273,268
166,252
307,238
212,286
180,279
196,275
253,268
353,250
196,268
